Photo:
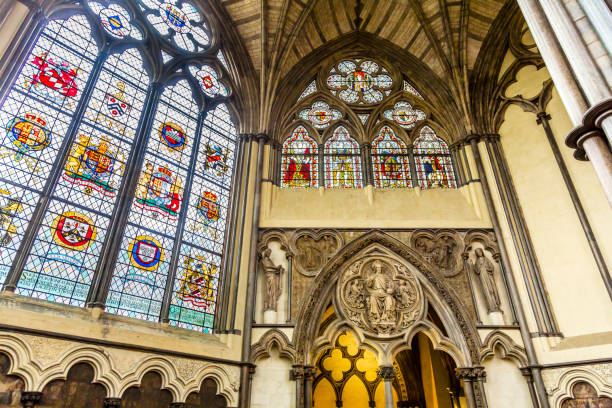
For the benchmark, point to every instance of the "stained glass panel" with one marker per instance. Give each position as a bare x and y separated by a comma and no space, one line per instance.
36,115
359,82
142,268
115,20
66,250
195,287
310,89
320,114
391,165
342,160
208,79
433,161
404,115
300,164
411,89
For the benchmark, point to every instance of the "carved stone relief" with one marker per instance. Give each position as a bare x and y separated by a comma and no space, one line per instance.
442,249
585,396
380,296
313,249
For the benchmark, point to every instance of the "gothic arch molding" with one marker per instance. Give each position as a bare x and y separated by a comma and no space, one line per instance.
438,294
273,338
498,340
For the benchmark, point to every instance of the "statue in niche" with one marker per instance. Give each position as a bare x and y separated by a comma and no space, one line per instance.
380,297
484,269
272,274
440,251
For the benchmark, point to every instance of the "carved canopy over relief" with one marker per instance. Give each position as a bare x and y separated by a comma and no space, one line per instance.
380,296
313,249
442,249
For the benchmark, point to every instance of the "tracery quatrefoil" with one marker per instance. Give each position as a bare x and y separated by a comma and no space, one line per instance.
359,81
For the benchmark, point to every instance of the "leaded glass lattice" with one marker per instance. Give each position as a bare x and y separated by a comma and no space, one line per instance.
390,161
300,160
342,160
359,82
36,116
194,294
433,161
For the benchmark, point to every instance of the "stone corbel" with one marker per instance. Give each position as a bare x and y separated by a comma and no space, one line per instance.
113,403
591,127
30,399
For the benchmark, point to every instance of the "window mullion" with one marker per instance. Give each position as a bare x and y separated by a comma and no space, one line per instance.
56,170
413,168
165,309
102,276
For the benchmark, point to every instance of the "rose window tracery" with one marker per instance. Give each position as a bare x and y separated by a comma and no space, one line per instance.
115,20
359,82
320,114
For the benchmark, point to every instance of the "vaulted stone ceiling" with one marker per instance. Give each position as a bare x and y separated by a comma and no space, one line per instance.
441,33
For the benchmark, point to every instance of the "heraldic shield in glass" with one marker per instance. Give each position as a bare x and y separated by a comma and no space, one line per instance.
300,160
433,161
75,132
391,166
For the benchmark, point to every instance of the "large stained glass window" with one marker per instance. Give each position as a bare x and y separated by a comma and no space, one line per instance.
390,161
78,124
300,160
342,160
36,116
433,161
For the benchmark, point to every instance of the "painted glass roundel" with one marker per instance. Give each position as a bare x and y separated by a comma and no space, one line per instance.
178,21
115,20
320,114
404,115
359,81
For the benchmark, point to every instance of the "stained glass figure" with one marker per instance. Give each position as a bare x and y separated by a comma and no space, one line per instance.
342,160
390,161
433,161
139,277
209,82
310,89
64,255
411,89
115,20
300,160
404,115
359,82
195,287
320,114
179,21
35,117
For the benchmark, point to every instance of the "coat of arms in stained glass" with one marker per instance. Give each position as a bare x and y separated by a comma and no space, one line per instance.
404,115
360,81
320,114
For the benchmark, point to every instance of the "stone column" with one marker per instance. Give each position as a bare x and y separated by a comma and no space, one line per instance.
297,375
309,372
289,257
480,376
366,154
387,373
465,375
115,403
526,371
29,399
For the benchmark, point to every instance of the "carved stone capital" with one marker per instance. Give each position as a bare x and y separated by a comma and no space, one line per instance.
590,127
29,399
526,371
296,373
473,137
177,404
470,373
113,402
309,372
387,373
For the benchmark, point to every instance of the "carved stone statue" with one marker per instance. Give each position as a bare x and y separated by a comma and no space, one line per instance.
272,274
484,269
380,297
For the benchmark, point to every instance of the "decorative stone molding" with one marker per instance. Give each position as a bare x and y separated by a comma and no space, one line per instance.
442,249
591,127
273,338
116,369
386,372
497,340
313,248
380,296
273,235
559,381
470,373
486,238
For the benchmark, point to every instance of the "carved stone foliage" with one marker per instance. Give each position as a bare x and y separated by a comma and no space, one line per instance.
442,249
313,249
585,396
380,296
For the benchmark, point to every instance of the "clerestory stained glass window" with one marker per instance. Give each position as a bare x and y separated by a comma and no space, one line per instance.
342,160
77,129
433,161
300,160
390,161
